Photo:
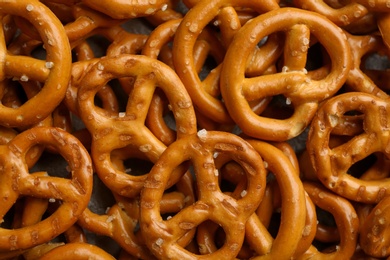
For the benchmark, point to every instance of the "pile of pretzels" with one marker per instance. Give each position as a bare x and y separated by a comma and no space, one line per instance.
225,129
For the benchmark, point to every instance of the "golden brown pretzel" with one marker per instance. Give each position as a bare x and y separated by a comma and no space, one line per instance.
167,13
86,59
383,21
375,5
332,164
292,204
162,236
119,225
113,131
195,20
121,219
362,46
125,10
293,207
16,181
341,16
77,251
206,45
346,220
54,72
374,238
85,21
299,89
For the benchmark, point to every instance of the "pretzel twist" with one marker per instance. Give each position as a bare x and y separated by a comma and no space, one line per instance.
55,72
193,23
124,10
16,181
292,204
373,237
129,126
161,236
341,16
121,219
357,80
346,220
77,251
332,164
303,92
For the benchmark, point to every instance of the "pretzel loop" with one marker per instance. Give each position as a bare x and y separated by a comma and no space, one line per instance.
332,164
129,126
16,181
374,239
161,236
346,221
55,72
195,20
300,90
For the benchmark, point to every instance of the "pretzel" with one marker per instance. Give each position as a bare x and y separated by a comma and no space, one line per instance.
183,46
130,127
167,13
383,21
32,211
121,219
375,5
373,236
346,221
207,44
162,236
118,225
16,181
82,25
292,203
77,251
125,10
257,237
303,93
86,59
9,28
123,42
331,164
54,72
357,80
341,16
210,235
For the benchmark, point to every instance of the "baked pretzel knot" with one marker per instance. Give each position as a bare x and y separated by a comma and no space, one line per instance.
16,181
54,72
294,82
163,236
332,164
127,130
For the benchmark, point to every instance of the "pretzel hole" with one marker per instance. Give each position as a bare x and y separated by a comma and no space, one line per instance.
101,198
210,237
134,166
360,167
315,57
280,107
209,64
53,164
13,94
376,66
375,61
98,44
233,179
39,52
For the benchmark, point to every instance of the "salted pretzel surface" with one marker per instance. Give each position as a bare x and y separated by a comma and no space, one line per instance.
16,181
54,72
168,129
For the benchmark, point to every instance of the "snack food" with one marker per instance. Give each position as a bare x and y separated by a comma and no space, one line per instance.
194,129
